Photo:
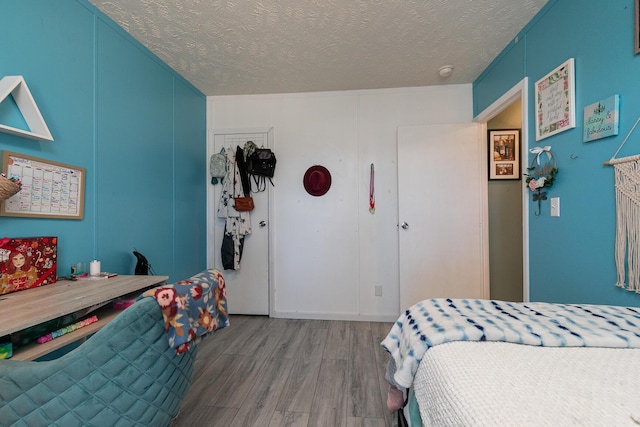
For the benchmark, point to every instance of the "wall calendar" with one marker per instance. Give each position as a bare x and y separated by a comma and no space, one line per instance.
48,189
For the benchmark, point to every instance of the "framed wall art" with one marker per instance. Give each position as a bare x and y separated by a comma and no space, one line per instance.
504,154
49,189
555,101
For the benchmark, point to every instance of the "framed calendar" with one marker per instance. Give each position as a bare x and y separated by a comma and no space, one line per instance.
48,189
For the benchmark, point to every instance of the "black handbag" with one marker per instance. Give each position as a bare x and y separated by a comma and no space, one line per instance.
261,165
262,162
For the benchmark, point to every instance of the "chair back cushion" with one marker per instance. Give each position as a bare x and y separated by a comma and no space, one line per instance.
124,375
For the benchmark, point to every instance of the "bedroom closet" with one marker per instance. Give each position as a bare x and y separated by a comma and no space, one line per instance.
248,289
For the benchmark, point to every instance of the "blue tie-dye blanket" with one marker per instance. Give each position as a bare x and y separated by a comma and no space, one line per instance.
438,321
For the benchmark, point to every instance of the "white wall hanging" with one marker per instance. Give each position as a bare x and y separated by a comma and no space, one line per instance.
627,182
17,87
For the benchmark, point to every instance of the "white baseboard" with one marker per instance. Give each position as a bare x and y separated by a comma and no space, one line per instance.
335,316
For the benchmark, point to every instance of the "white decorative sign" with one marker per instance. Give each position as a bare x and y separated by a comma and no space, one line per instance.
601,119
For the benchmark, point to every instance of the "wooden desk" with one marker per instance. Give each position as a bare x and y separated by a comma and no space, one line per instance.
23,309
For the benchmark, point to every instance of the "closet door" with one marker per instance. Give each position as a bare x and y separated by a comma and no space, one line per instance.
248,287
442,194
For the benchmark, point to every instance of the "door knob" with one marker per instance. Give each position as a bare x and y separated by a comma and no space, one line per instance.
405,226
263,223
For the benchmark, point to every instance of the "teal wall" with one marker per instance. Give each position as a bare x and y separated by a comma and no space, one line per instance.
572,257
115,109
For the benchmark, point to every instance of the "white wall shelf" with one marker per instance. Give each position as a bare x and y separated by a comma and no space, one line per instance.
17,87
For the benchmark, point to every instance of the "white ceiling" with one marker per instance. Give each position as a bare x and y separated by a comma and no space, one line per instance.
232,47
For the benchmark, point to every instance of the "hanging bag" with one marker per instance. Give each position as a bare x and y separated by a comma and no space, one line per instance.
244,204
218,166
261,165
262,162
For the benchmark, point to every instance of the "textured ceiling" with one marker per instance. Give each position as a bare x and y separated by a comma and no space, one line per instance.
232,47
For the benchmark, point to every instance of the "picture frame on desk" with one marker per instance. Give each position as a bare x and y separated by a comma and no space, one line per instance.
27,262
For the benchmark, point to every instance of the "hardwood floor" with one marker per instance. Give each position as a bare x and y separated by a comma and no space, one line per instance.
295,373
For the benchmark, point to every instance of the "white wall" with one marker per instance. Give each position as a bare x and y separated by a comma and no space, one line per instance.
330,251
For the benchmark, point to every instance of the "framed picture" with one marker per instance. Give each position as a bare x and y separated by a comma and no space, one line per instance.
636,32
504,154
555,101
49,189
27,262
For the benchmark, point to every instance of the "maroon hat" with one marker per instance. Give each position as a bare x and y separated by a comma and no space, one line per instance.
317,180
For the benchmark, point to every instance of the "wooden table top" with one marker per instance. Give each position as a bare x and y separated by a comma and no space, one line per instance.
22,309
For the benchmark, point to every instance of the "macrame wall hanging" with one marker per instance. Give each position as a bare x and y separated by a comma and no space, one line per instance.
627,187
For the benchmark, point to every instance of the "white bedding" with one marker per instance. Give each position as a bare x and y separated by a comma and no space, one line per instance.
441,320
504,384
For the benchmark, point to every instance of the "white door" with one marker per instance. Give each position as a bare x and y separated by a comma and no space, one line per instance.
441,195
247,288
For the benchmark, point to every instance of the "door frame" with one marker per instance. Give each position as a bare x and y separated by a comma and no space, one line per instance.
519,91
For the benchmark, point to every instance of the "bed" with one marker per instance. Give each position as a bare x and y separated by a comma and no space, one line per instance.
468,362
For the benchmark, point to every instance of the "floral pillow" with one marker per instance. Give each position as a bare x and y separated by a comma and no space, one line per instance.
192,308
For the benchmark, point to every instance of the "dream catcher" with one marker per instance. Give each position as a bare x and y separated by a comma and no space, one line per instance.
542,172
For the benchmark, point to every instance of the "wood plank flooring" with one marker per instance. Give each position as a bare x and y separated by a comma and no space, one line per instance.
265,372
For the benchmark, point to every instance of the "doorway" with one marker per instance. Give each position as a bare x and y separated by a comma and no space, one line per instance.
508,204
505,220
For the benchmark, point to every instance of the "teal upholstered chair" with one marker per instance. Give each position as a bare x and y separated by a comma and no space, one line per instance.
124,375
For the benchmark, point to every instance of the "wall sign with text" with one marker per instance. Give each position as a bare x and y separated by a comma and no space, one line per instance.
601,119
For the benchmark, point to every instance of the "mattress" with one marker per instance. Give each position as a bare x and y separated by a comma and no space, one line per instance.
505,384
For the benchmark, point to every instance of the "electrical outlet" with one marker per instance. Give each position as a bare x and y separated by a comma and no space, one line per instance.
378,290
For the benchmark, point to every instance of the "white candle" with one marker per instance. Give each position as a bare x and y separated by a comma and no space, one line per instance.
94,268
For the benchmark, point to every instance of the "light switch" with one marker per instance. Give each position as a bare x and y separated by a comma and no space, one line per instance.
555,206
